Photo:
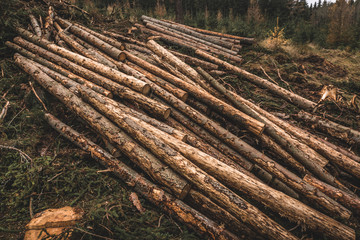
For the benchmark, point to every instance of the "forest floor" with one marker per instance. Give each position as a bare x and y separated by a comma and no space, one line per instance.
59,174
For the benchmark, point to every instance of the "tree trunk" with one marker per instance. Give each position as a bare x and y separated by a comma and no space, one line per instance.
145,160
115,75
220,106
285,94
179,11
145,188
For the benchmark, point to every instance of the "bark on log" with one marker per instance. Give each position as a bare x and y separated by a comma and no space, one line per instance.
206,183
59,69
96,39
173,32
141,49
115,75
195,61
285,94
188,31
117,89
124,38
35,25
145,188
220,106
349,200
144,159
336,130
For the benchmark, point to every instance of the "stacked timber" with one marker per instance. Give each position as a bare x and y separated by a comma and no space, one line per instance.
161,110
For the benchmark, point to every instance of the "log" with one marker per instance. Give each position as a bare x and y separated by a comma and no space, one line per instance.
117,89
173,32
95,39
285,94
188,31
251,124
194,61
336,130
123,38
182,95
35,25
141,157
144,187
347,199
59,69
206,183
113,74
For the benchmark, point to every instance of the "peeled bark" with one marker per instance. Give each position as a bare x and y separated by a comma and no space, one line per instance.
220,106
206,183
115,75
195,61
35,25
145,160
285,94
59,69
142,186
336,130
93,38
188,31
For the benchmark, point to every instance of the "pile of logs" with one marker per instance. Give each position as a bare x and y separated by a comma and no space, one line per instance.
161,109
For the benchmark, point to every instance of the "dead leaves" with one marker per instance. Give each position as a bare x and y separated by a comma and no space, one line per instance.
335,95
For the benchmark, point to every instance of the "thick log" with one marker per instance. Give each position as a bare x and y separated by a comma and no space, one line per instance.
347,199
188,44
93,38
206,183
285,94
144,159
336,130
188,31
117,89
195,61
35,25
113,74
173,32
218,105
59,69
144,187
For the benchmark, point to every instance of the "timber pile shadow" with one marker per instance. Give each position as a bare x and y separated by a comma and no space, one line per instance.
167,113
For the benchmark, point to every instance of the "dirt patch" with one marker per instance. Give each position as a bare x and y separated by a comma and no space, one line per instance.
320,64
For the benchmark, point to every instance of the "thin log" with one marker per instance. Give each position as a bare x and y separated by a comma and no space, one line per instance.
195,61
141,49
35,25
145,188
191,172
93,38
59,69
145,160
285,94
199,106
113,74
336,130
123,38
220,106
188,31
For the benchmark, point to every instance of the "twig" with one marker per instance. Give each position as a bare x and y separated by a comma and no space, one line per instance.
4,110
55,176
278,72
37,96
16,116
31,208
268,75
22,154
159,223
76,7
93,234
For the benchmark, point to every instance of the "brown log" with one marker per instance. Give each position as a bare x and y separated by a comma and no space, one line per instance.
96,39
218,72
336,130
194,61
347,199
286,206
199,106
220,106
117,89
173,32
141,49
115,75
182,95
35,25
188,44
59,69
123,38
207,184
285,94
145,160
145,188
188,31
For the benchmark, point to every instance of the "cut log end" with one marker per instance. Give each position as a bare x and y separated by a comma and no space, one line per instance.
122,56
167,113
184,97
146,89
